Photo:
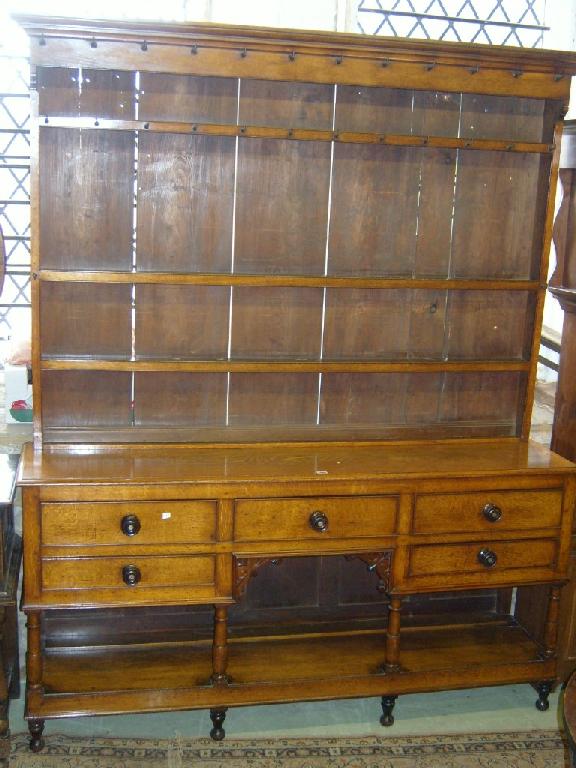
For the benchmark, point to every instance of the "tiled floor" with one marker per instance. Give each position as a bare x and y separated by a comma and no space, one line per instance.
508,707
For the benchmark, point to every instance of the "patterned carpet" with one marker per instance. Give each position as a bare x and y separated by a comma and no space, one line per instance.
535,749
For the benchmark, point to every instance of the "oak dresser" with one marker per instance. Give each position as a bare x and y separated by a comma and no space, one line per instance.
287,298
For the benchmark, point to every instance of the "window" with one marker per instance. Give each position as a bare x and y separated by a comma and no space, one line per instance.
14,195
496,22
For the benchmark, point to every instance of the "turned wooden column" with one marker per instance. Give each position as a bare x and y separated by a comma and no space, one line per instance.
34,675
563,287
551,627
393,635
220,645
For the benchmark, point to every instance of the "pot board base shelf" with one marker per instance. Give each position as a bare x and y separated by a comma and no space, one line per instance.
284,669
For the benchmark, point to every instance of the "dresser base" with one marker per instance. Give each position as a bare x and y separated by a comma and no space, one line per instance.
400,570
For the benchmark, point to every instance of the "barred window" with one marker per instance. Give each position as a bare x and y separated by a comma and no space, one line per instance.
15,194
495,22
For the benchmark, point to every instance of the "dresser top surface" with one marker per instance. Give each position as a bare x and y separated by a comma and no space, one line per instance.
273,463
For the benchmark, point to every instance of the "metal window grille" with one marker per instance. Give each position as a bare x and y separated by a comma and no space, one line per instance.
15,193
496,22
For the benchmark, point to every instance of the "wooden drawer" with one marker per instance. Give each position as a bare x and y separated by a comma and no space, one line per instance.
487,510
507,561
128,574
315,518
101,523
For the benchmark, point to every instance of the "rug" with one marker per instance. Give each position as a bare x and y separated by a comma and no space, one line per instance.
534,749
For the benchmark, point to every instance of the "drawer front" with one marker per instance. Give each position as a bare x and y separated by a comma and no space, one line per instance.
141,522
452,561
315,518
126,574
487,510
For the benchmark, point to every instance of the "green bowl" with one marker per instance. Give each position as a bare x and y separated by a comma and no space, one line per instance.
21,414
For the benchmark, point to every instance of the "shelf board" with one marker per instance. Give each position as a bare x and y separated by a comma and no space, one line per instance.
284,366
296,134
313,281
309,433
285,668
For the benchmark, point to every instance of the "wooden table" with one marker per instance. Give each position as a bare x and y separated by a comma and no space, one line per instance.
10,558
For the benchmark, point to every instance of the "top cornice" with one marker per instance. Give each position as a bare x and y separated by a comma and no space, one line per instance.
262,38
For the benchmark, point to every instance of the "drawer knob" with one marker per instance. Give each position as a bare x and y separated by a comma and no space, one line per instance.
492,513
131,575
318,522
487,558
130,525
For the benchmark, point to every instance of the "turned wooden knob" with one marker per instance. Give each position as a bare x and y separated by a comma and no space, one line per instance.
487,558
131,575
492,513
130,525
318,522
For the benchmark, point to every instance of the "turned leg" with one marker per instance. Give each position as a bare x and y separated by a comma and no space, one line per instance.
551,627
11,629
34,675
387,707
217,716
220,645
543,689
393,636
36,727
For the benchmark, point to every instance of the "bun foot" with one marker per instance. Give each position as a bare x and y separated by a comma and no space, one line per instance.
217,716
36,728
387,718
543,689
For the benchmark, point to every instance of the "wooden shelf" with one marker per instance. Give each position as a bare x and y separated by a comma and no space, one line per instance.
348,434
299,134
312,281
284,366
296,668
